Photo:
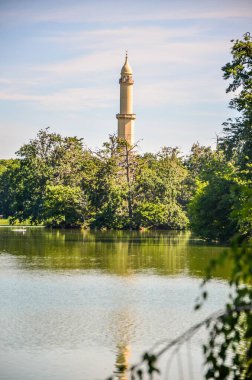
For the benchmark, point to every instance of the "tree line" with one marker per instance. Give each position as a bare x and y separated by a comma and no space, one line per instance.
60,182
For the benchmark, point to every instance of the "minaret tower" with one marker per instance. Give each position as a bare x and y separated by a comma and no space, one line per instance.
126,116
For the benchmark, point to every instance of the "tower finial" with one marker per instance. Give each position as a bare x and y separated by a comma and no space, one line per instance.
126,69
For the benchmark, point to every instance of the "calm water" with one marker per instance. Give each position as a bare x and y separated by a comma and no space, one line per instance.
75,304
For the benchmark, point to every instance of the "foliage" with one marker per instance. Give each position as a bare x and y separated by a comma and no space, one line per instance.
237,139
11,187
63,206
4,164
160,191
244,214
242,211
48,160
60,183
211,210
239,71
223,207
150,214
237,143
202,161
228,352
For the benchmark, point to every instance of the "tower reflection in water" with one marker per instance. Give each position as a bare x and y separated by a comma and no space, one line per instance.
122,362
123,326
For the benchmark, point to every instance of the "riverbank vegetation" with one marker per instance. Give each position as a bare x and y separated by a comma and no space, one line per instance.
60,182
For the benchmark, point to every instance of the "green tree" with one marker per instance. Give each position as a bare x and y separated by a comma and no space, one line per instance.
237,139
203,163
212,209
199,160
48,160
150,215
107,191
159,190
11,190
220,208
58,182
64,206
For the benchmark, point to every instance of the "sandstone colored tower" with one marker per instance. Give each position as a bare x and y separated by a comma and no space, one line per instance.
126,116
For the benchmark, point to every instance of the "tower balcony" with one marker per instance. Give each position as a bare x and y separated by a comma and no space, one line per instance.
129,116
126,80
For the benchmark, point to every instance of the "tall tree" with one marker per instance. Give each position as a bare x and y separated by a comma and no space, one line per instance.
237,139
160,190
220,206
48,160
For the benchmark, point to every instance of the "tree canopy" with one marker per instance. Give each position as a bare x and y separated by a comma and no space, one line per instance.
59,182
221,204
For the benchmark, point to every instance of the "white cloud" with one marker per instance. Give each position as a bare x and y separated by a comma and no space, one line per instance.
77,99
167,92
166,70
102,37
70,100
149,49
129,12
179,92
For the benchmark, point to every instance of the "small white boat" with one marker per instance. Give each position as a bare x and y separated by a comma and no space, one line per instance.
22,229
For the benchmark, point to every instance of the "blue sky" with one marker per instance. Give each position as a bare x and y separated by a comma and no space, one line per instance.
61,60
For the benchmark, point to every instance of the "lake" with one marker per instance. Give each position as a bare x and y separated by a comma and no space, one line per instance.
77,304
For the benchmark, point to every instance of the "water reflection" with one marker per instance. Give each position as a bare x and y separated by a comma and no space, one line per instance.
122,362
109,295
119,252
123,326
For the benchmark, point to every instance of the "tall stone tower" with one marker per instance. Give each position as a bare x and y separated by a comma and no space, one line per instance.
126,116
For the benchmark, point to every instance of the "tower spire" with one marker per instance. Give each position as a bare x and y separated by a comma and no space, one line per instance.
126,117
